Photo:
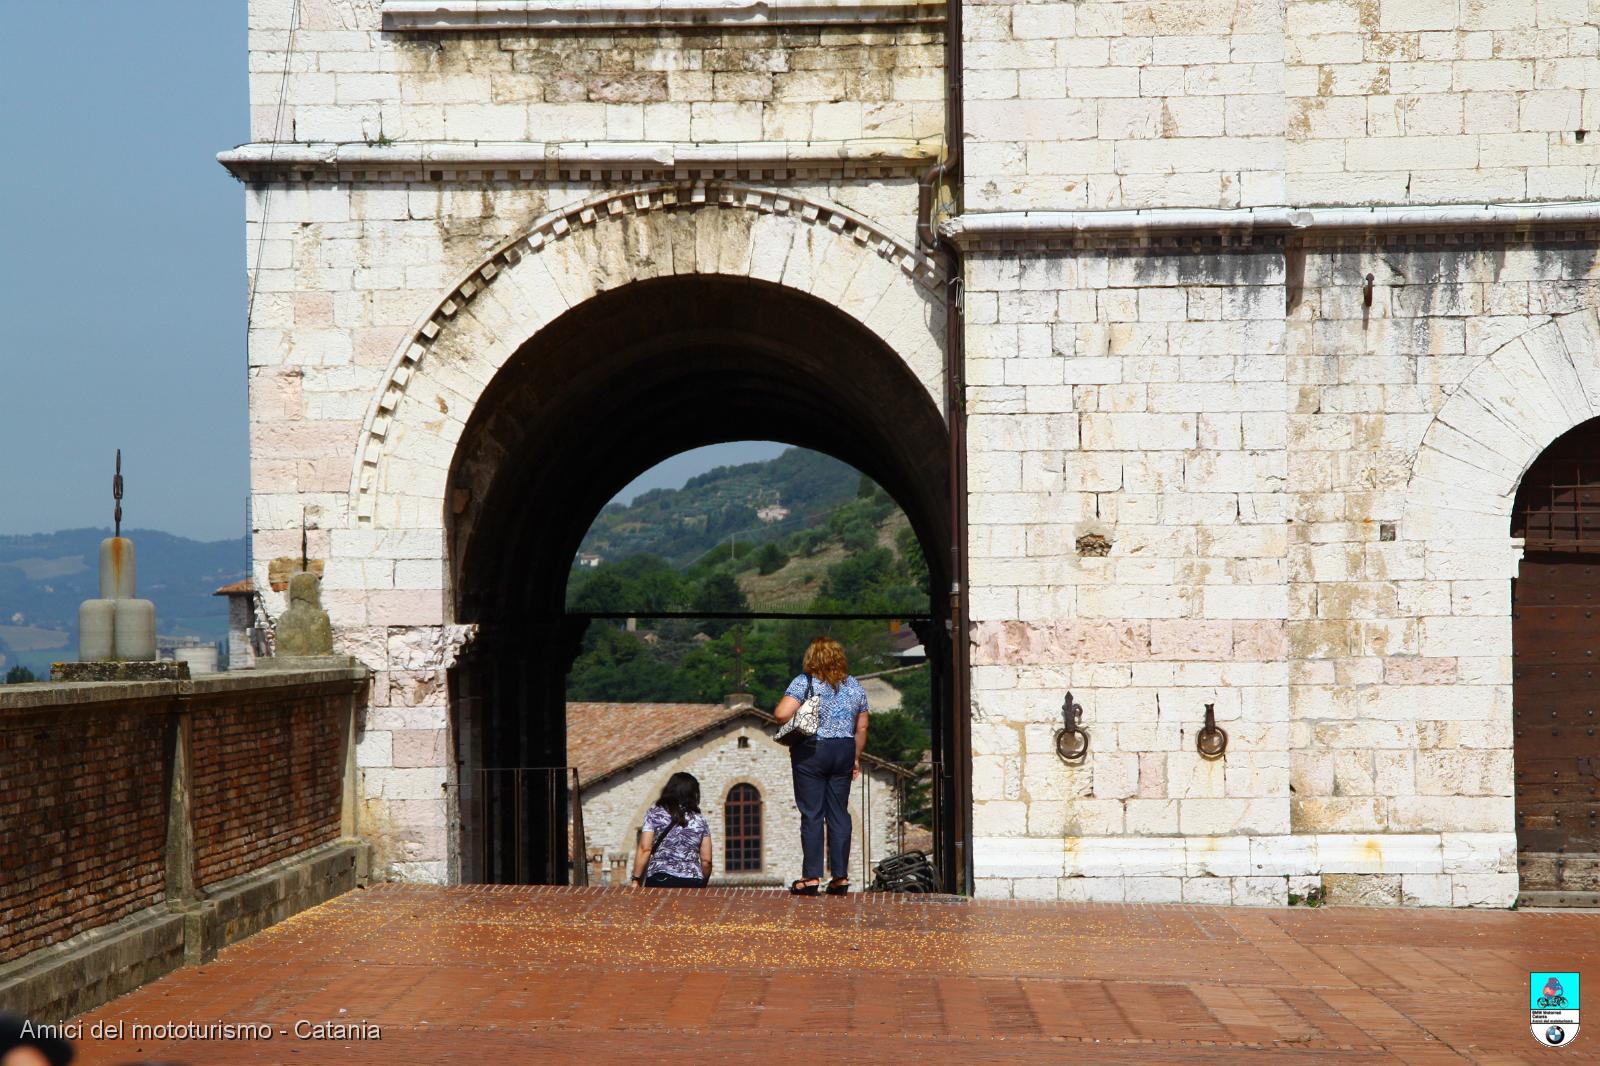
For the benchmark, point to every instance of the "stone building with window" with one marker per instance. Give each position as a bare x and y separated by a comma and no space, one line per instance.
1211,347
624,753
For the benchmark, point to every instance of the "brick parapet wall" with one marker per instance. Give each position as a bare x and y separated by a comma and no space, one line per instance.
267,780
85,781
83,802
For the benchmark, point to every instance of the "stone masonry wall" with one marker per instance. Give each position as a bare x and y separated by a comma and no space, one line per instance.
1220,103
351,81
1440,101
614,810
1244,432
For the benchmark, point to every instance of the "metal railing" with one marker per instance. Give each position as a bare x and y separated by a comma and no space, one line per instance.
530,826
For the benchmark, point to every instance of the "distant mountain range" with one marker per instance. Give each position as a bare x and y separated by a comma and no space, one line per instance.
45,576
751,503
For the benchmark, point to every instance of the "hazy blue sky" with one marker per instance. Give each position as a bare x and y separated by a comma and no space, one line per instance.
122,284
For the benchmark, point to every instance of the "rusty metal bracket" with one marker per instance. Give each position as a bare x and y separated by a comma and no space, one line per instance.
1072,740
1212,740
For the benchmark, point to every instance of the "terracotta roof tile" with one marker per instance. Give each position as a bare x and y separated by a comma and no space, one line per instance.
238,588
603,738
606,738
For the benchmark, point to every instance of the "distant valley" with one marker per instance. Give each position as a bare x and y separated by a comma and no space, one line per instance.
45,576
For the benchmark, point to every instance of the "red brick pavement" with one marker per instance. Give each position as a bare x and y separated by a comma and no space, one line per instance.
511,975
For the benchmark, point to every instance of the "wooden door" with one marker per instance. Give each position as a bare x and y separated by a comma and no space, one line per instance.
1556,673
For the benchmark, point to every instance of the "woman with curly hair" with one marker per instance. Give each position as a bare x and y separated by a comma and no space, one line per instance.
824,765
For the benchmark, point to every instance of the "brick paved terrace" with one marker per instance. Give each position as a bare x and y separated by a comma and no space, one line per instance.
512,974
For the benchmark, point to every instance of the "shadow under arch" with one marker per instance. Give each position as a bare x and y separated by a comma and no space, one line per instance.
624,380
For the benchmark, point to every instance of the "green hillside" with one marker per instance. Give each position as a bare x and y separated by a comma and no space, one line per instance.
720,507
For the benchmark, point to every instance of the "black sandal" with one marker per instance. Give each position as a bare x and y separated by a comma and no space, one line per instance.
800,888
839,886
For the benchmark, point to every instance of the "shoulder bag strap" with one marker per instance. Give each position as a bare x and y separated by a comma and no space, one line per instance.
655,845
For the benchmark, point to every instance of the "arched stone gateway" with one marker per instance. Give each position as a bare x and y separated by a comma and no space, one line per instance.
616,333
1481,498
668,229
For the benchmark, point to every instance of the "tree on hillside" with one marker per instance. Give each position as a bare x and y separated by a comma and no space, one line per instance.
719,593
19,675
712,670
617,665
603,593
770,559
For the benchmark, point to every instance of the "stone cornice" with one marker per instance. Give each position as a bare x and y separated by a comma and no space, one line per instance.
1270,226
576,161
456,15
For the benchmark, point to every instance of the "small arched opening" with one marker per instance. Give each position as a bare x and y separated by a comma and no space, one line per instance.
1556,671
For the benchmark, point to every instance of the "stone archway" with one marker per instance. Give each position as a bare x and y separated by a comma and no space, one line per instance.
1477,455
616,333
666,229
1496,423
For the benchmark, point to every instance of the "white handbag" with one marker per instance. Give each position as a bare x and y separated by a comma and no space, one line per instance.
806,721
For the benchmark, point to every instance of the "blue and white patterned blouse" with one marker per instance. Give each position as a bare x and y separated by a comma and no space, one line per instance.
838,707
679,851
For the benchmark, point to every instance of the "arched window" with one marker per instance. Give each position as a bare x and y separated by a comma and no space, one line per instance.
742,836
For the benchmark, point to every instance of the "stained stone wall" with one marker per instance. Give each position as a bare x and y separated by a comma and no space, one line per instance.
349,81
1308,506
1297,489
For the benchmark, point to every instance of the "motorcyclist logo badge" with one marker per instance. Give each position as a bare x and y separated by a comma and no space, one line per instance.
1553,1007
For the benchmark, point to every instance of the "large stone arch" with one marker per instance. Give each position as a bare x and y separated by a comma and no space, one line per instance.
726,228
1497,422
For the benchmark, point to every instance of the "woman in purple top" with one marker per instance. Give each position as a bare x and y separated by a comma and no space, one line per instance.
675,847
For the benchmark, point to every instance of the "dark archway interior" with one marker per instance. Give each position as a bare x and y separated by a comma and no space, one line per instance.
1555,706
630,378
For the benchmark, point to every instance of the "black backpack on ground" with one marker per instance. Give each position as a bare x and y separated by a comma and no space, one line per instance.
909,871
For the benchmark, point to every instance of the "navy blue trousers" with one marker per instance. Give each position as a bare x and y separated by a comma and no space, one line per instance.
822,792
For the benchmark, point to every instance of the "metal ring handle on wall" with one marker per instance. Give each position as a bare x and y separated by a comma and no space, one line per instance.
1072,745
1072,740
1212,740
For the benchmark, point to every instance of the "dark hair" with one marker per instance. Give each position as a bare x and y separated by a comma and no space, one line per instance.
680,797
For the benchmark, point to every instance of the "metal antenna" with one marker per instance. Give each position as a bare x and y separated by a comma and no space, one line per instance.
305,556
116,494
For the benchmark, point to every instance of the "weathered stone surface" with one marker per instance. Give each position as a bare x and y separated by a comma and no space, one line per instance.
304,629
117,671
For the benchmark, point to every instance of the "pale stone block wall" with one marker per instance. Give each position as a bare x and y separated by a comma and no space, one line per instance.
1439,101
614,810
1308,527
1220,103
1124,103
349,81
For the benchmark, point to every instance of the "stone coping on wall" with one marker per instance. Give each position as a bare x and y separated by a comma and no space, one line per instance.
1010,230
455,15
66,694
574,160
